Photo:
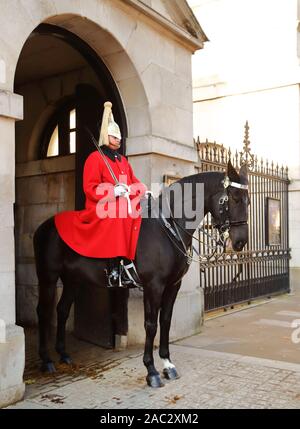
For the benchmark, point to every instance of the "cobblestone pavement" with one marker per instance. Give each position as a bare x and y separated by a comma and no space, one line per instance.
243,360
209,379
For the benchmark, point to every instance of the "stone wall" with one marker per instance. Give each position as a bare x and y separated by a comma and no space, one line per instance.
12,354
43,188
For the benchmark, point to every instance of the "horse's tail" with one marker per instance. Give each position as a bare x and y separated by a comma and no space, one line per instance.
48,252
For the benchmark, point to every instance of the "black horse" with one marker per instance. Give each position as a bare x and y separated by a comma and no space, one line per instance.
161,262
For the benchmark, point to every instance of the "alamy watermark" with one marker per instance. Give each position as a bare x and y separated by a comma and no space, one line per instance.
182,201
295,336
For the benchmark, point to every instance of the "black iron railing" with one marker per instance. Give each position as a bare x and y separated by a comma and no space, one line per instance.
262,269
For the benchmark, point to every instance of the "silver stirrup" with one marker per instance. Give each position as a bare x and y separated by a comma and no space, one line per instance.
127,268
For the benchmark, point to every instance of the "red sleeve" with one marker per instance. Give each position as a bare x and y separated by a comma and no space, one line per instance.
92,177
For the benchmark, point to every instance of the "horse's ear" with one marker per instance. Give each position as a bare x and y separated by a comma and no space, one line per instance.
244,174
232,173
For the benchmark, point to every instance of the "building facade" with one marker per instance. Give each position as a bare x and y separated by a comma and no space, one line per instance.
249,70
57,59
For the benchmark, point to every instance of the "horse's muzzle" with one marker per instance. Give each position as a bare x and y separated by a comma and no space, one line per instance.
239,237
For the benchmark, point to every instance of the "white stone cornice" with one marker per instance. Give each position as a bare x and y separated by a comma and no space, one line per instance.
184,16
223,89
11,105
191,42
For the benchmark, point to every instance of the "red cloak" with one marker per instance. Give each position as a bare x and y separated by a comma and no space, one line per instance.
104,229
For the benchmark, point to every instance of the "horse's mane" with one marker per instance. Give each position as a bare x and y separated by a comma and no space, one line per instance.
195,178
214,176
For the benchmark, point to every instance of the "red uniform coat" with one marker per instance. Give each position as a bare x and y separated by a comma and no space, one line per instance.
104,229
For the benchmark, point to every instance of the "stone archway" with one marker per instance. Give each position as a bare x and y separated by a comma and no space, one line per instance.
126,78
46,186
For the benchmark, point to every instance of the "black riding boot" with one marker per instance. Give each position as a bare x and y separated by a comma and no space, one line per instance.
121,273
113,272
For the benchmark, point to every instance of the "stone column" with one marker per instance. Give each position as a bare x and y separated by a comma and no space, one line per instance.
12,349
165,148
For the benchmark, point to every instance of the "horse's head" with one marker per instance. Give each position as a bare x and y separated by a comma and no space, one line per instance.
229,206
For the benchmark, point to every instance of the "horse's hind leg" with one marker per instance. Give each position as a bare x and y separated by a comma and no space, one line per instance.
152,302
48,259
63,311
44,311
166,312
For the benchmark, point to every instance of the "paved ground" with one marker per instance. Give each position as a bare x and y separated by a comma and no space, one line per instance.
262,331
246,359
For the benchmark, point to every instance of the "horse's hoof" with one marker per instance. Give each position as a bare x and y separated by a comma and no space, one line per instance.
154,381
66,359
170,373
48,367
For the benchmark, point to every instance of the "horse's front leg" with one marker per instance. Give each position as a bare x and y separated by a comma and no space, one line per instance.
168,300
152,303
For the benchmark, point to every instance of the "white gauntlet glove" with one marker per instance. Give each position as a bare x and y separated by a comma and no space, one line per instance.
120,191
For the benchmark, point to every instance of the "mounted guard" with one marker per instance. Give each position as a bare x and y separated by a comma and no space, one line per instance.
109,225
161,260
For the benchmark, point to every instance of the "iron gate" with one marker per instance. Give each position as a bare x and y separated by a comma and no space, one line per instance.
262,268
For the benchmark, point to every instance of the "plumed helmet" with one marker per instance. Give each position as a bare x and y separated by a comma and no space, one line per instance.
114,130
108,127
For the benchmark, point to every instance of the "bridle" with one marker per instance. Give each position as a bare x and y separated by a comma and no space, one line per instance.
225,223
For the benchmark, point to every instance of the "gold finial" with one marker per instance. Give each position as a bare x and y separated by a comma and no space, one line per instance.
246,157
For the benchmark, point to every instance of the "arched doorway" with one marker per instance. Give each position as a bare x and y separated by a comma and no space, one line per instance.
64,84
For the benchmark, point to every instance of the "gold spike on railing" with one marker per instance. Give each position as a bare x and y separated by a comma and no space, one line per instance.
246,157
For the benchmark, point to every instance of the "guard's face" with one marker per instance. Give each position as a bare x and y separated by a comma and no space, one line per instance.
114,142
